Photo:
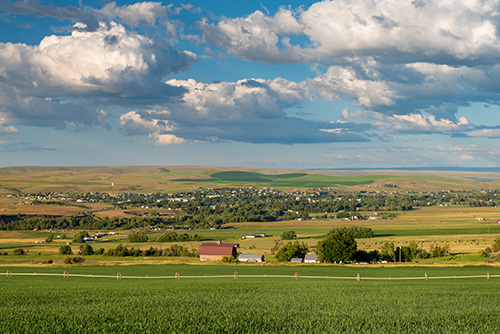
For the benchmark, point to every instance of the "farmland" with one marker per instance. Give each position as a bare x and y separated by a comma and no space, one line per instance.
453,211
249,305
226,204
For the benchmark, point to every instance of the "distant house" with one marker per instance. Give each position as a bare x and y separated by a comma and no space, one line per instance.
255,235
211,251
311,258
296,260
88,239
251,258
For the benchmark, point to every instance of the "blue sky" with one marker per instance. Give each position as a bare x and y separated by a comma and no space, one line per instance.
327,84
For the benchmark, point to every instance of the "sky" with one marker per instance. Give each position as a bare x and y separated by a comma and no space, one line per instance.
326,84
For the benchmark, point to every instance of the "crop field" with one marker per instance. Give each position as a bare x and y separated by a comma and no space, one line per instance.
251,305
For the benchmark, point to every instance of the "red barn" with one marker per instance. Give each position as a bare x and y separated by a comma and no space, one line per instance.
215,251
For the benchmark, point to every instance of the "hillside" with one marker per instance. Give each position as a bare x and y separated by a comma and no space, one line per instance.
172,178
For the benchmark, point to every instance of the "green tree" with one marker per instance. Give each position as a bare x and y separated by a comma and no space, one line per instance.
49,238
291,250
387,252
288,235
78,238
137,237
337,247
65,250
86,249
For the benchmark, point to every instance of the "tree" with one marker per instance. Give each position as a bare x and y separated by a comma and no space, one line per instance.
49,238
388,252
65,250
288,235
337,247
291,250
86,250
78,238
137,237
19,251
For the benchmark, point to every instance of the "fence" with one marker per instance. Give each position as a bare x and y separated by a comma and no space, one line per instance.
296,276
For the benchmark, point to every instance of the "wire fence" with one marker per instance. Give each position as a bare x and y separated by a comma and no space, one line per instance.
296,276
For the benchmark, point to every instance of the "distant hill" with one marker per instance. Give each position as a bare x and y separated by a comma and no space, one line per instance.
33,179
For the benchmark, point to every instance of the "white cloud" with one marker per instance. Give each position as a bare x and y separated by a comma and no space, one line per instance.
69,78
462,30
136,13
133,123
166,139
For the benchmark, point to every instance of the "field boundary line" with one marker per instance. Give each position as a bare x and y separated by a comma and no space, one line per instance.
119,276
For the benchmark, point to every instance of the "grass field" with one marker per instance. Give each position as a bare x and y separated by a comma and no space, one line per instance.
251,305
438,226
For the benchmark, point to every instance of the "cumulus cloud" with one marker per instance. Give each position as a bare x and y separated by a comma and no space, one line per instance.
45,83
166,139
250,110
392,57
465,30
134,123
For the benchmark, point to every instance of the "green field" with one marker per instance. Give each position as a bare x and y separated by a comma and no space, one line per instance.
250,305
303,180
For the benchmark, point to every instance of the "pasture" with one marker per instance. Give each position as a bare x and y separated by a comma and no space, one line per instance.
250,305
429,226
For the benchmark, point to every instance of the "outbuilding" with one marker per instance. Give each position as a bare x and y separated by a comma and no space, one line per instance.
211,251
311,258
251,258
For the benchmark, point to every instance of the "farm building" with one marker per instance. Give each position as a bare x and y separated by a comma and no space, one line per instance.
296,260
211,251
251,258
255,235
311,258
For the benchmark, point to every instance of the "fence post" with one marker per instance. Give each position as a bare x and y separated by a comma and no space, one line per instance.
235,275
426,278
488,275
177,276
8,273
358,277
296,275
65,274
119,276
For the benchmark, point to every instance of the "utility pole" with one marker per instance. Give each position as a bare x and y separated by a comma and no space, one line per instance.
400,252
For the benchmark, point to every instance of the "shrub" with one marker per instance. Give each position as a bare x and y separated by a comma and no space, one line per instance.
49,238
288,235
19,251
65,250
78,259
495,247
229,259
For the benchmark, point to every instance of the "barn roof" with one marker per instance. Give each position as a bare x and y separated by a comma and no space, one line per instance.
209,248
